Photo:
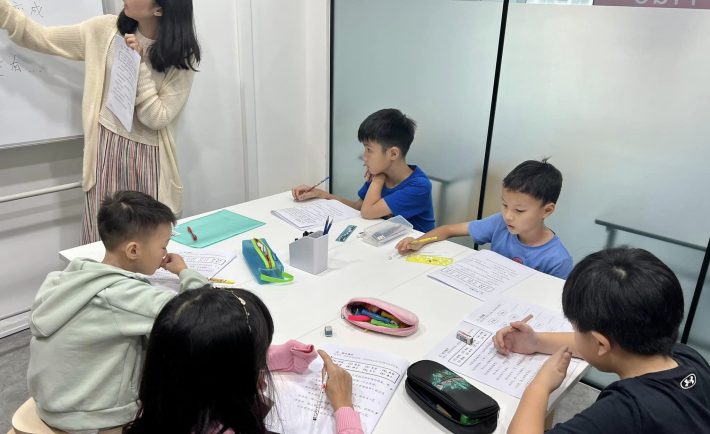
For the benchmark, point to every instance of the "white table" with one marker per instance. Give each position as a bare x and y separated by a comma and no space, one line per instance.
357,269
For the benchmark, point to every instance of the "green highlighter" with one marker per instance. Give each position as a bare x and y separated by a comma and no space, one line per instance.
383,324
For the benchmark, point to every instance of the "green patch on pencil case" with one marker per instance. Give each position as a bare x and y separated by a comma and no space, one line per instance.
263,263
213,228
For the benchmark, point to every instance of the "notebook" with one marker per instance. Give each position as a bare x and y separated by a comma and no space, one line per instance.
314,213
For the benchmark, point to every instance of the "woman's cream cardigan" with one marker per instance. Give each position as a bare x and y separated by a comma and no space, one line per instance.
156,108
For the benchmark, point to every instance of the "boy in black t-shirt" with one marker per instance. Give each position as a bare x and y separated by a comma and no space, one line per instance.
626,306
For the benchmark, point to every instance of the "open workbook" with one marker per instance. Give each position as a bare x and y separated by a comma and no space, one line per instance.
313,214
478,359
484,274
375,378
207,262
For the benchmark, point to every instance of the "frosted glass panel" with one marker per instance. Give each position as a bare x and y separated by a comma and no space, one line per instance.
435,61
619,98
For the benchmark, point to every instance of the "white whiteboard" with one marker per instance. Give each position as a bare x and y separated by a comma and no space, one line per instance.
40,95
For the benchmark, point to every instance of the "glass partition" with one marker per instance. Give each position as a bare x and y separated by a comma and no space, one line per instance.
435,61
619,99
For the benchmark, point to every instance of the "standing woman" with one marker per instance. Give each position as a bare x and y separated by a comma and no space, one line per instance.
143,159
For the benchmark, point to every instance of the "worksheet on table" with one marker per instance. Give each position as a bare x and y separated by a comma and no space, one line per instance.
480,360
375,378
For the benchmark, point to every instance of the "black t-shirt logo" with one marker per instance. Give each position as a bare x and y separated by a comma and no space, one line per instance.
688,382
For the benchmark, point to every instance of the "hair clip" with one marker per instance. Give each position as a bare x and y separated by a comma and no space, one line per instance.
244,306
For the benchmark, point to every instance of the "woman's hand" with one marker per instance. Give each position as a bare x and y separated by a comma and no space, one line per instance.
132,42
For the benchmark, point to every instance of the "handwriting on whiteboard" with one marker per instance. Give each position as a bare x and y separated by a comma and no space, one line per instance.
12,64
35,7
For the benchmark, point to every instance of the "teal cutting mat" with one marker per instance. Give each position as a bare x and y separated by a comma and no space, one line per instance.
214,228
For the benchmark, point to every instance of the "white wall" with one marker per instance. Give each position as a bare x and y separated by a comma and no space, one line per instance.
291,73
210,131
32,231
256,123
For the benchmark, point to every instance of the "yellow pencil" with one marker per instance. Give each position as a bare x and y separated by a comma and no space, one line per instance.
218,280
527,318
424,240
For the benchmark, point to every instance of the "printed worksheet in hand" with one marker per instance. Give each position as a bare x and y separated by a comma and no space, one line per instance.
375,378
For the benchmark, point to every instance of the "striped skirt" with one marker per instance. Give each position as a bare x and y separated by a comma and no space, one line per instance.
122,164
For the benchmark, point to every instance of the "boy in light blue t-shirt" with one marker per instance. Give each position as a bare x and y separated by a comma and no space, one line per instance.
518,232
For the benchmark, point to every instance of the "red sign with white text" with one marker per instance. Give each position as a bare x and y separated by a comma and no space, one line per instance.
687,4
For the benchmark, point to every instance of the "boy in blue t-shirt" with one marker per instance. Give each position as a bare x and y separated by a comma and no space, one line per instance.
518,232
626,307
392,186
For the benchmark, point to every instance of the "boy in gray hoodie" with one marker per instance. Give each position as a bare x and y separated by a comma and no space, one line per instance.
90,322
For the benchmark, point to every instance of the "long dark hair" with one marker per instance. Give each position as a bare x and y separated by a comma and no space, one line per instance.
205,364
176,45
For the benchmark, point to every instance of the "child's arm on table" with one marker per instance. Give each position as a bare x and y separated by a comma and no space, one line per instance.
518,337
529,418
303,192
439,234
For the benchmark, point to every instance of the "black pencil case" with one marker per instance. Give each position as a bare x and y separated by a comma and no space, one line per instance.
450,400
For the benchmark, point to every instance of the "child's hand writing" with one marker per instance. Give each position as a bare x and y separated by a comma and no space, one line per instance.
553,371
340,384
518,337
132,42
304,192
405,245
174,263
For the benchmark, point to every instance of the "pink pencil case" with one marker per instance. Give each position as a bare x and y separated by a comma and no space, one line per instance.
385,315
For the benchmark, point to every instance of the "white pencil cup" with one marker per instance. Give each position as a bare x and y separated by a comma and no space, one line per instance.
310,253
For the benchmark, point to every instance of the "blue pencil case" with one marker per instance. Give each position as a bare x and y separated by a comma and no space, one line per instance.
263,262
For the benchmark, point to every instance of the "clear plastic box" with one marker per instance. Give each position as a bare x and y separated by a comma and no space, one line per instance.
386,231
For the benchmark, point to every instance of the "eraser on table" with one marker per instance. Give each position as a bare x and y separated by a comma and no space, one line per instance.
464,337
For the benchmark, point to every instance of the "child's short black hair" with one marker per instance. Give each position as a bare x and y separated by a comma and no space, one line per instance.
629,296
539,179
129,214
389,128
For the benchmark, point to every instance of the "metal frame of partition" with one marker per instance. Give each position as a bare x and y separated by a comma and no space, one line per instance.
612,228
494,103
696,295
